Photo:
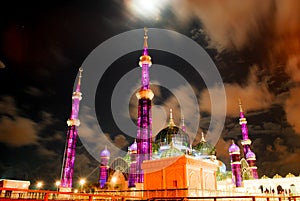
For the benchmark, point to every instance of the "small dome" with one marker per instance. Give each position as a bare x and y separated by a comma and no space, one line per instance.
133,147
105,153
250,154
172,152
204,148
233,148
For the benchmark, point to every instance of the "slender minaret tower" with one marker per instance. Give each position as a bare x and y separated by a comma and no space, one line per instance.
104,167
246,142
144,121
234,152
70,148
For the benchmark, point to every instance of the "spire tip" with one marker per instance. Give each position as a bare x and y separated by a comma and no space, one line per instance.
145,38
240,105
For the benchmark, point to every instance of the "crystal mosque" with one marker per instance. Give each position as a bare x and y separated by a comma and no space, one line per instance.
169,160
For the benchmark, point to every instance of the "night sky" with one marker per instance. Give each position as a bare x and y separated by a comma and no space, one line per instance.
255,46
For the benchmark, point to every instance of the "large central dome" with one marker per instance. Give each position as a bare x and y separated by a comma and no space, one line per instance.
172,134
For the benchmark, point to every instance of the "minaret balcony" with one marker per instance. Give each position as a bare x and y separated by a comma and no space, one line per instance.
246,142
73,122
243,121
77,95
145,59
145,94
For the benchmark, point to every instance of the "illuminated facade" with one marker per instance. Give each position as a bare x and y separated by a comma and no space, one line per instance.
180,172
196,165
72,133
144,120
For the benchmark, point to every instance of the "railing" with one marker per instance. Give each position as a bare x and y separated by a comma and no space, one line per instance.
150,195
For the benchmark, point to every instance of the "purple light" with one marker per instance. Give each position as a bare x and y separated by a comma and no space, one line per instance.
70,148
234,152
103,176
132,174
144,121
246,142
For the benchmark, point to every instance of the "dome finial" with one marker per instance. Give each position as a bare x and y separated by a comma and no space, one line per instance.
171,122
182,123
182,120
202,137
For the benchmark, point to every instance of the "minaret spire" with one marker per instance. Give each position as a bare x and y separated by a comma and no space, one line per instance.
243,122
145,41
246,142
79,79
144,121
72,133
240,105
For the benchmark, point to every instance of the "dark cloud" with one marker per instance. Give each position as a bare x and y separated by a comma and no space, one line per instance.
16,130
266,32
33,91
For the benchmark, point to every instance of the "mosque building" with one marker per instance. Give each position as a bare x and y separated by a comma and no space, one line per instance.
169,160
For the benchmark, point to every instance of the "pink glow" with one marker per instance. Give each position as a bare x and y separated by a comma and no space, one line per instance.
72,133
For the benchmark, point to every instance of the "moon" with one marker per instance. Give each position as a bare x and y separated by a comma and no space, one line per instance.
147,8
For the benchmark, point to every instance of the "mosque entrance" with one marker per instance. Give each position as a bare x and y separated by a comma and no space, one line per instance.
118,174
117,181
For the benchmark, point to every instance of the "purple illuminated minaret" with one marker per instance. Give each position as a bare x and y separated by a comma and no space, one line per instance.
70,148
144,121
104,167
246,142
235,162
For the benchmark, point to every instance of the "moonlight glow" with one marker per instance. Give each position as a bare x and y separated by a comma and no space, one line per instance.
147,8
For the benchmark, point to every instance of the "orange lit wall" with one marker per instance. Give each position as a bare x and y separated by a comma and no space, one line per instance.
179,173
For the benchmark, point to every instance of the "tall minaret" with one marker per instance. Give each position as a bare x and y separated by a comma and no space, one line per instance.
144,121
70,148
246,142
